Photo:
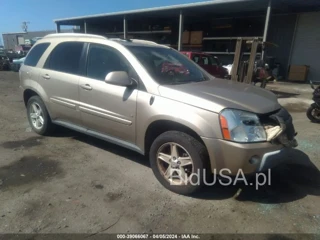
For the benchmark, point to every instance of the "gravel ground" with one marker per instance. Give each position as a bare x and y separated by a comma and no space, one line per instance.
71,183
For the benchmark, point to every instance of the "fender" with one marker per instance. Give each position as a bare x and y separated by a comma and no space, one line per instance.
201,121
36,87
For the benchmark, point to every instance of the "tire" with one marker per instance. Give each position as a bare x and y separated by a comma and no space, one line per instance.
310,115
193,148
47,126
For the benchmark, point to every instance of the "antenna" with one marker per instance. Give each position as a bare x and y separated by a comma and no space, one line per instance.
24,26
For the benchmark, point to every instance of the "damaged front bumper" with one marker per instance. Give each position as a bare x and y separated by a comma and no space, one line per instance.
279,128
255,157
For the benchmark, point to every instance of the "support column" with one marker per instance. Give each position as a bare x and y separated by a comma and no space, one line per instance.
85,26
180,31
266,26
58,29
125,28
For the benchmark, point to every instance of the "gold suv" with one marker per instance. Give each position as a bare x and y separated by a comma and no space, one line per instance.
153,100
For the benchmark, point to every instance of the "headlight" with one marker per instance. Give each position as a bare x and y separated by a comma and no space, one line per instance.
241,126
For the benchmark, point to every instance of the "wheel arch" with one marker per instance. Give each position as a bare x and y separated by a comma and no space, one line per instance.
160,126
30,92
27,94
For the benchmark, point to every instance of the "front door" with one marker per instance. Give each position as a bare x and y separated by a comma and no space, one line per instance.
106,108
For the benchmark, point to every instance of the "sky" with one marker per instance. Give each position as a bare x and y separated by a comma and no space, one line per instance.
41,13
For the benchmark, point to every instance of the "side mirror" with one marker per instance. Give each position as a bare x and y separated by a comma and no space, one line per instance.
119,78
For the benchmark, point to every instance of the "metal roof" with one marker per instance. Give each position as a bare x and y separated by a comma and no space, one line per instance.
156,9
216,7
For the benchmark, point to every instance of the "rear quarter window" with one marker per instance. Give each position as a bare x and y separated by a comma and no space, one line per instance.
35,54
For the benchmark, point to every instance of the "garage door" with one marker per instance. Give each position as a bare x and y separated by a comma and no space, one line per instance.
306,48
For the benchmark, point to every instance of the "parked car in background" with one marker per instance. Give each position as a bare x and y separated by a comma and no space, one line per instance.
209,63
4,62
131,93
16,64
173,68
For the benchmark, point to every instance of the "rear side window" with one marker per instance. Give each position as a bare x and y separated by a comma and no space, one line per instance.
65,57
35,54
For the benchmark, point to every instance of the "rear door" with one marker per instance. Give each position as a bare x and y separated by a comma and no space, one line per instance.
60,79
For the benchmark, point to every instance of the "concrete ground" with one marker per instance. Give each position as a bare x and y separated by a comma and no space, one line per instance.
294,96
72,183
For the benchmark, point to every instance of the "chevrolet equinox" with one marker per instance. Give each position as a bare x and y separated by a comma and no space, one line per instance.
153,100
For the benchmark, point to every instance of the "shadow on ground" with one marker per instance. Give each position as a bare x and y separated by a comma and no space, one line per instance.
284,94
115,149
294,180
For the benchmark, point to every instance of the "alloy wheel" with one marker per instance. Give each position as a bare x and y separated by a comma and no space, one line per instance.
36,115
175,163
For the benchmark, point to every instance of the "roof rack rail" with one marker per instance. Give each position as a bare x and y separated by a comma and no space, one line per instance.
119,39
58,35
143,41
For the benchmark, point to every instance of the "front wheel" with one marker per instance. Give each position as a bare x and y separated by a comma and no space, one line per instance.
179,162
313,113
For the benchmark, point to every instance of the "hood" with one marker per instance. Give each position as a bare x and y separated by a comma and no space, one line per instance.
217,94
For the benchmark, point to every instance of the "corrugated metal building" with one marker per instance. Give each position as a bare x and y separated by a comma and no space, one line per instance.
14,40
293,25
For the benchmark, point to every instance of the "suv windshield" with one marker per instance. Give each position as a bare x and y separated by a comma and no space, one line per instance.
167,66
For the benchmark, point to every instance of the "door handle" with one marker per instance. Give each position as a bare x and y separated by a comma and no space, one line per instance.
86,86
46,76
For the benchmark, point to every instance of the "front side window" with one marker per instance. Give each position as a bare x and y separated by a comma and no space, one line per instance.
65,57
168,66
103,60
35,54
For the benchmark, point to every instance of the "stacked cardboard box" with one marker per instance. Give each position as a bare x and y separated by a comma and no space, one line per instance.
298,73
186,37
192,38
196,37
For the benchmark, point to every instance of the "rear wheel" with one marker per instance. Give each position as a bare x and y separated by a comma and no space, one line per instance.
38,116
313,113
179,161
